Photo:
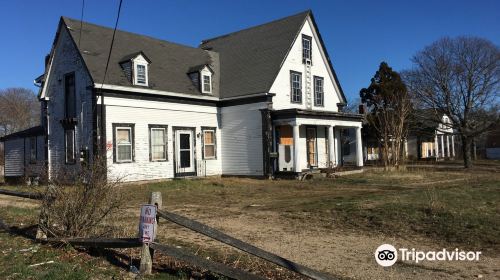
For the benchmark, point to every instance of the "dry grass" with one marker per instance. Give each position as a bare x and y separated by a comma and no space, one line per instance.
441,208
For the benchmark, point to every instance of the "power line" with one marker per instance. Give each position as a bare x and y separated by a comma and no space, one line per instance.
102,125
112,42
81,23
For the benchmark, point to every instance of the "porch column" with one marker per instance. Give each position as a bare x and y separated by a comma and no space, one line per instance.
359,147
442,146
453,145
338,147
331,147
447,145
296,153
436,146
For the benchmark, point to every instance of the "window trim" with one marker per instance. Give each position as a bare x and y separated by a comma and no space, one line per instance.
66,115
165,129
66,161
203,83
308,38
214,130
146,74
292,73
316,78
115,127
33,160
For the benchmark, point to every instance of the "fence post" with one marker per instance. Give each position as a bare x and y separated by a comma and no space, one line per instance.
147,252
155,199
146,265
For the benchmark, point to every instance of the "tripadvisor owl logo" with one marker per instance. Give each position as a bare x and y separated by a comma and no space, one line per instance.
386,255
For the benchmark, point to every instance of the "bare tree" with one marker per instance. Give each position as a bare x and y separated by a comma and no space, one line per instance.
19,109
388,109
459,77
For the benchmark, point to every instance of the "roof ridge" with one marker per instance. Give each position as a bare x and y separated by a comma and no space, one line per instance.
307,12
127,32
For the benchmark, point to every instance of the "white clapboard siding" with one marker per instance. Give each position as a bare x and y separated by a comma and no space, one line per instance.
14,157
141,113
242,140
281,85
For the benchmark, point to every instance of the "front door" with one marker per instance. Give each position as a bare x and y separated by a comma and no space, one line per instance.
312,149
184,153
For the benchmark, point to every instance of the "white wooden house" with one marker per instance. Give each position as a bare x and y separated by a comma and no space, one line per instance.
254,102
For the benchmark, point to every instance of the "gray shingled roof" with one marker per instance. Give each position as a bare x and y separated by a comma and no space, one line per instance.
244,62
169,66
251,58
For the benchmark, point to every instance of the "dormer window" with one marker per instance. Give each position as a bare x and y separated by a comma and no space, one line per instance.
207,84
135,67
201,76
141,74
140,77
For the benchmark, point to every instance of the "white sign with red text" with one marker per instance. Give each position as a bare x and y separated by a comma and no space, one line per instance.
147,223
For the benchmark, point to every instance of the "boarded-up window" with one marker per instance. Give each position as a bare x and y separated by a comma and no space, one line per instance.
209,144
286,135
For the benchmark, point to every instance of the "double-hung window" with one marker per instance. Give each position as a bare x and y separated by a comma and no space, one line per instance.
209,146
296,87
141,75
69,96
158,142
69,144
207,84
124,142
319,95
306,49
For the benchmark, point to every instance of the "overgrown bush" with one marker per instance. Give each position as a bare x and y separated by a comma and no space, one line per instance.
81,202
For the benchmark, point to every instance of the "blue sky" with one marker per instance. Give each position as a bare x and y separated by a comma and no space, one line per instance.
358,34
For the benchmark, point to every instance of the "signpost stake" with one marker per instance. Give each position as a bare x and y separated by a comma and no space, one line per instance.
146,260
147,233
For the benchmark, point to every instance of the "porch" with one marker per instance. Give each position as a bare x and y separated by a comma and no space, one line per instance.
310,140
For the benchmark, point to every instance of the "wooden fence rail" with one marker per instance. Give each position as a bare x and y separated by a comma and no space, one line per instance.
37,196
204,263
98,242
222,237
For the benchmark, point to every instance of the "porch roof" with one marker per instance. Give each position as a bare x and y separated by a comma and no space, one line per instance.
304,117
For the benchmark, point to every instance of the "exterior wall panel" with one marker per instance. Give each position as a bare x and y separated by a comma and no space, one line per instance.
14,157
142,113
242,140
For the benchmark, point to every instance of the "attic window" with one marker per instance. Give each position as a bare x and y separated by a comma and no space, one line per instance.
207,84
306,49
141,74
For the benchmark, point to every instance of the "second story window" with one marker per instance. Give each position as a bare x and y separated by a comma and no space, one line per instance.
319,95
69,96
141,75
306,49
207,84
296,87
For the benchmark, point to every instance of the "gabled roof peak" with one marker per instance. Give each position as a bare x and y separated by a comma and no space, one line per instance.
133,56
